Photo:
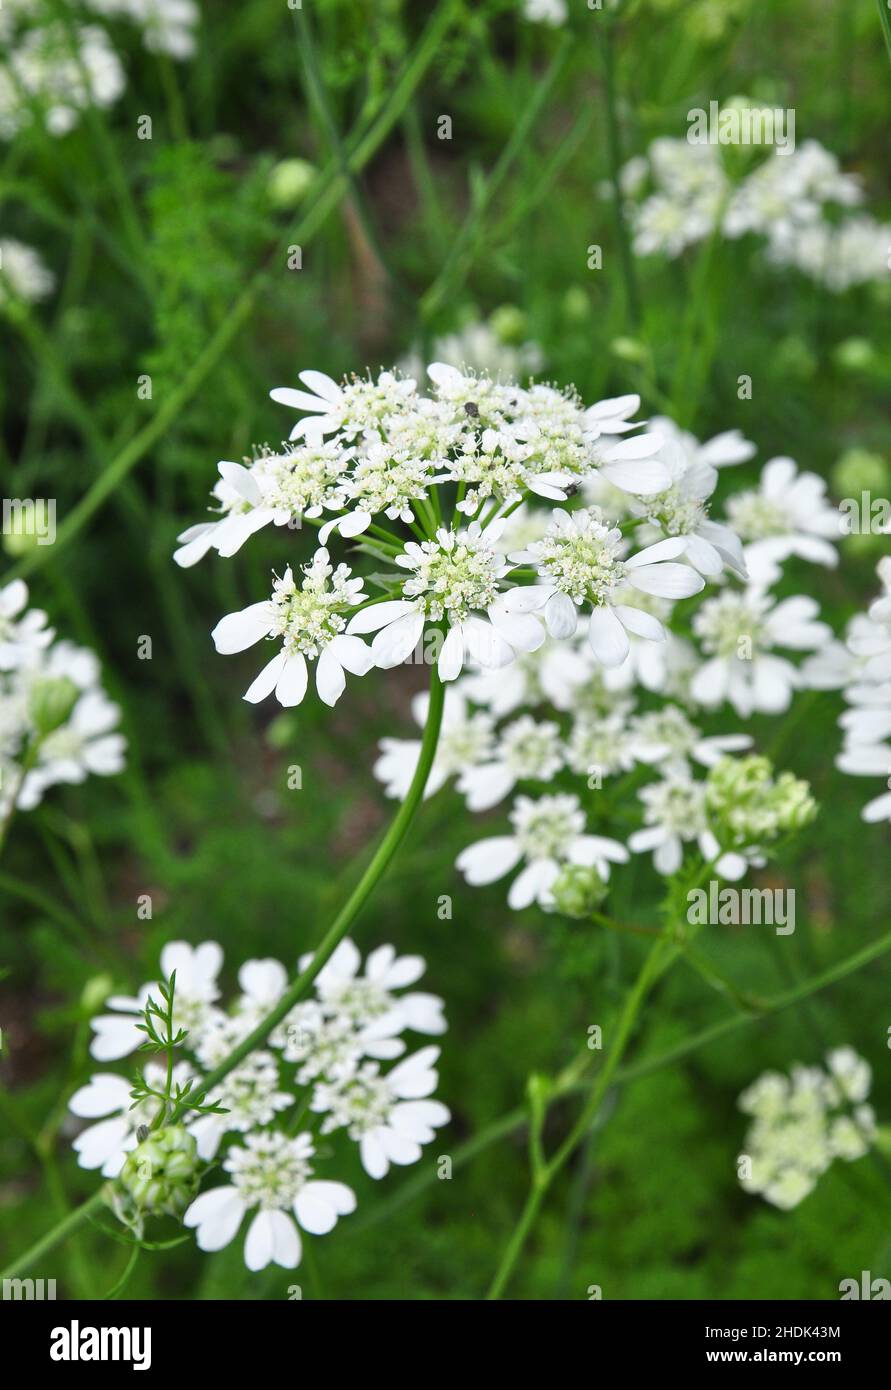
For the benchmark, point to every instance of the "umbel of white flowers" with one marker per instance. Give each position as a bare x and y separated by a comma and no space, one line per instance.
802,1122
56,723
331,1055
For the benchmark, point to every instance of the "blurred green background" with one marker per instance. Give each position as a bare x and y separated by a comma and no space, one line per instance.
153,242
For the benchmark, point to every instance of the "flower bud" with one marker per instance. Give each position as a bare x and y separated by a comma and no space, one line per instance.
289,181
161,1174
578,890
52,700
754,807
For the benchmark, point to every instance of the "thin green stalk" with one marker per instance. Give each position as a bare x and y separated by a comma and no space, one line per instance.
331,186
354,904
569,1084
885,19
614,143
460,258
299,987
544,1176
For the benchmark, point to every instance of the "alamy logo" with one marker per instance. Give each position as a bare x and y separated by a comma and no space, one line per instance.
742,125
76,1343
30,516
38,1289
734,907
868,1288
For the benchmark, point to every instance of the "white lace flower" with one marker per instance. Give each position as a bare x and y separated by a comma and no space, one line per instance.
373,995
465,739
526,750
548,834
454,580
675,815
272,1173
668,738
682,510
23,274
250,1097
357,405
738,632
311,624
580,561
388,1115
196,990
803,1121
23,634
788,514
107,1099
56,71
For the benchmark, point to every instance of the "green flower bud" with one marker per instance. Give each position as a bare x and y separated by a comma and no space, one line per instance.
289,181
576,304
629,349
859,471
578,890
751,805
52,700
508,323
95,992
854,355
161,1174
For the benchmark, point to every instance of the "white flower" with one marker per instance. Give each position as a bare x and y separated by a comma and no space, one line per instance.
548,834
168,25
358,405
23,274
580,561
371,997
668,738
250,1097
57,70
802,1122
454,580
465,739
22,635
675,815
738,632
196,990
310,622
107,1098
390,1116
83,745
273,1174
526,750
682,510
787,515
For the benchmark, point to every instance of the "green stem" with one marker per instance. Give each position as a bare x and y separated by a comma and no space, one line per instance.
885,19
544,1176
614,139
330,187
332,938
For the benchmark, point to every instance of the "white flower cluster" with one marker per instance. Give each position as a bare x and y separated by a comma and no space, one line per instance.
799,200
573,712
56,723
861,666
23,274
168,26
50,70
493,346
324,1060
372,451
802,1122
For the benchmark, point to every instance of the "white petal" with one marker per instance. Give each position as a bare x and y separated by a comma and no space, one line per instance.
265,683
395,644
488,860
238,631
290,687
378,615
318,1205
607,638
667,580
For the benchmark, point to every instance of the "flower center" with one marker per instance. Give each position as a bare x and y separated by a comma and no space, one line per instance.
545,828
271,1168
532,750
453,575
724,622
677,804
309,617
754,517
580,554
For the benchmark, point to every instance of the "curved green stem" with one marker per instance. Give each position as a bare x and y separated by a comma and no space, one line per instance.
299,987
